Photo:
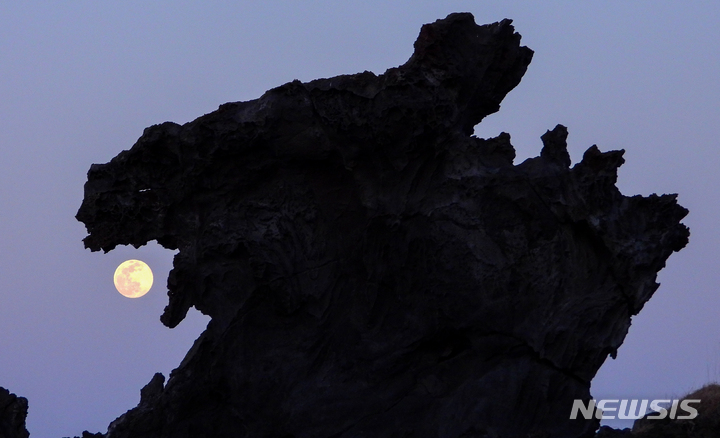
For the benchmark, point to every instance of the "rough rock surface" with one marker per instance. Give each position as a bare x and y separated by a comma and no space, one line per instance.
372,269
13,411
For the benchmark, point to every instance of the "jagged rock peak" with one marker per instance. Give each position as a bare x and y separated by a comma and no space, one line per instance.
372,269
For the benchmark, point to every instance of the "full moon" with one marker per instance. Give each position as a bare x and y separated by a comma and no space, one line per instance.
133,278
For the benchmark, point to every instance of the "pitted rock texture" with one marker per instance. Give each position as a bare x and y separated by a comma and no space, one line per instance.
372,269
13,411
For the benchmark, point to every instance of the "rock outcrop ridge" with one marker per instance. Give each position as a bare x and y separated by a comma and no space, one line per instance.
372,269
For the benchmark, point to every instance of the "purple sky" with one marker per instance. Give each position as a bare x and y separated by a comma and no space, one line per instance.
80,80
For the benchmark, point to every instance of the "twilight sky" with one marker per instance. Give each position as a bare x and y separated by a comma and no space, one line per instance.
80,80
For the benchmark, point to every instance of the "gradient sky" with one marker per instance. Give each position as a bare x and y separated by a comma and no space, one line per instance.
80,80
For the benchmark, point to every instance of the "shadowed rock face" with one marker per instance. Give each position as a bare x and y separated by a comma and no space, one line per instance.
373,270
13,411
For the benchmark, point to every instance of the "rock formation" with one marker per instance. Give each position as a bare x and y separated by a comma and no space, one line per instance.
371,268
13,411
706,423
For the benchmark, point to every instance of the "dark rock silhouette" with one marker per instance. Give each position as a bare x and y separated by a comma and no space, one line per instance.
373,270
706,423
13,411
87,434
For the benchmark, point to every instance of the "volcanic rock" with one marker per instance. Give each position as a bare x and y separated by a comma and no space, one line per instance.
372,269
13,411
